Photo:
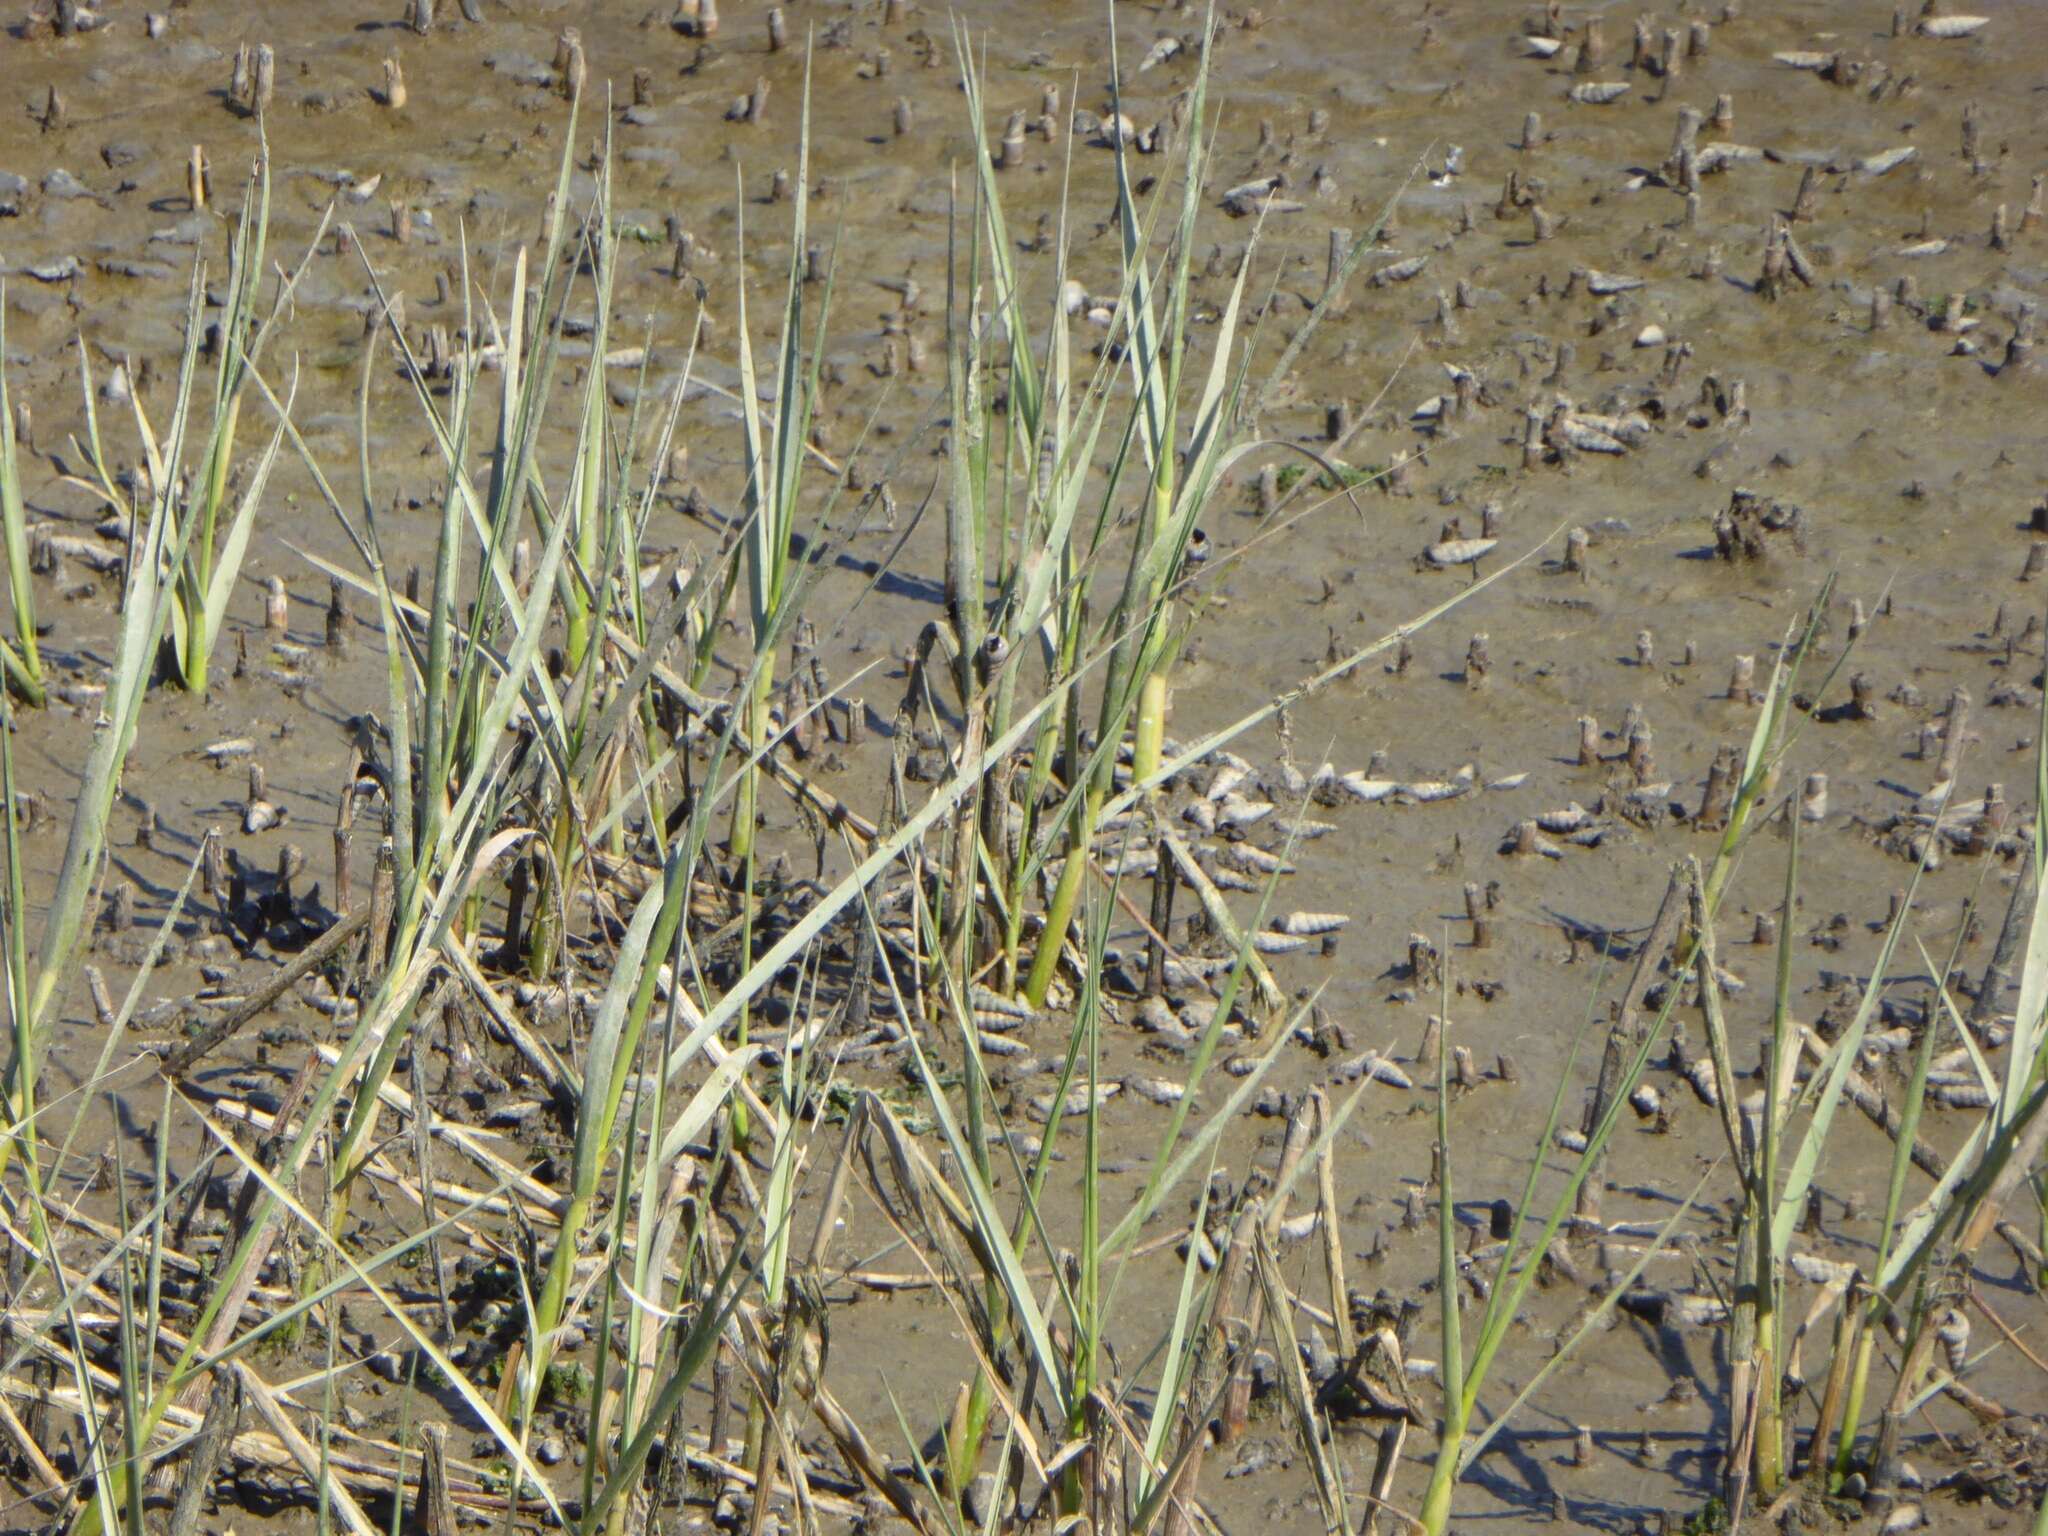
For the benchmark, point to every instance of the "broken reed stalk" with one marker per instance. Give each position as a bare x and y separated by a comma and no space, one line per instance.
1237,1401
1625,1038
223,1421
1163,883
315,955
1475,913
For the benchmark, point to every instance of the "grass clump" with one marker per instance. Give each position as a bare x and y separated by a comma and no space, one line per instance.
547,778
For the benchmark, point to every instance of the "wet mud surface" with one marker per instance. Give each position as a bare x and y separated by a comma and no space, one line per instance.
1912,450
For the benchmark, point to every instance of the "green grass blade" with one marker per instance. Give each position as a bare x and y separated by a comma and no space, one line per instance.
1833,1074
227,567
25,663
512,1444
1475,1447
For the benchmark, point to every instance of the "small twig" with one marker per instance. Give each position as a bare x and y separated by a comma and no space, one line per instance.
303,1451
2010,1337
1386,1461
316,954
1744,1443
423,1154
435,1509
216,1432
47,1475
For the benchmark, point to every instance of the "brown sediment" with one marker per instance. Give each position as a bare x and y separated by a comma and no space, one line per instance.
1510,311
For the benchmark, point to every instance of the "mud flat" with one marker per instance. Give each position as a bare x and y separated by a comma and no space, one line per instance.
1681,373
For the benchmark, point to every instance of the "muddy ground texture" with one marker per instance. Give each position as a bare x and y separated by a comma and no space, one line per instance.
1865,407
